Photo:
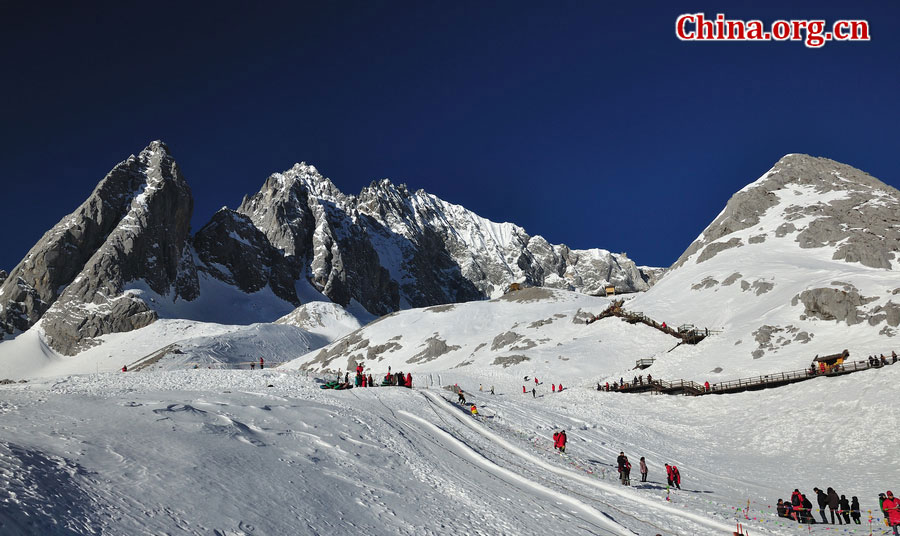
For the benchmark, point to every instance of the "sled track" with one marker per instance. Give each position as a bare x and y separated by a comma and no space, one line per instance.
535,461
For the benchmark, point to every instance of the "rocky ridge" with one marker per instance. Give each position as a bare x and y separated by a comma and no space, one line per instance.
107,266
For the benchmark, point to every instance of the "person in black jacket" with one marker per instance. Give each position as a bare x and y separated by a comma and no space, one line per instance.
834,504
822,499
854,509
845,509
807,509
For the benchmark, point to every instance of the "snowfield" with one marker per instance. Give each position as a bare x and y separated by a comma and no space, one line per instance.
267,452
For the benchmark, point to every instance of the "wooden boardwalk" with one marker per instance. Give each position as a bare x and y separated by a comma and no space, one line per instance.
687,333
768,381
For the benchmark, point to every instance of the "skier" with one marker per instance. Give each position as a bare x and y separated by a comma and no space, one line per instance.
562,441
535,380
462,398
553,386
261,364
556,440
533,393
891,508
253,367
474,411
559,388
523,389
643,470
492,389
480,388
124,368
409,379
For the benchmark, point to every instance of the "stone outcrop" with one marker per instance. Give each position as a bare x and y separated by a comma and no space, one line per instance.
134,239
233,250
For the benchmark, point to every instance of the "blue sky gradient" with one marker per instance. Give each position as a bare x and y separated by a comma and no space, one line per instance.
590,124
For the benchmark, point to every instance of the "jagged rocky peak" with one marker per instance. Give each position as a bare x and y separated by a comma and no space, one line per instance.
61,254
146,249
233,250
816,203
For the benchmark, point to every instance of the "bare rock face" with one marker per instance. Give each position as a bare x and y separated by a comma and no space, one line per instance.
233,250
390,248
311,223
92,252
133,237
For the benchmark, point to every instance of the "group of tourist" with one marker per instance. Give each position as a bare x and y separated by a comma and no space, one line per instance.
800,508
637,380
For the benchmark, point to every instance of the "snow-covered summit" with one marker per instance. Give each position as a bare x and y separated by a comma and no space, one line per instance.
800,262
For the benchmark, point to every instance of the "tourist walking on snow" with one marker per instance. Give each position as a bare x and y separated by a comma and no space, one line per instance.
845,509
533,393
822,499
643,470
834,504
854,509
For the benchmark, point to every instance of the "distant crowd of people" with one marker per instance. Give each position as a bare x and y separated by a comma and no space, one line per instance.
637,380
800,508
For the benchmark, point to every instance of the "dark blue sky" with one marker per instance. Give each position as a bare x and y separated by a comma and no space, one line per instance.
590,124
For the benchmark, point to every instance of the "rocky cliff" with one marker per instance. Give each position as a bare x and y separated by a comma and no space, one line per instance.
390,248
126,253
134,228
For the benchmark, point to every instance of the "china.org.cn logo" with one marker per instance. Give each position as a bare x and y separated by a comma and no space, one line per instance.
813,32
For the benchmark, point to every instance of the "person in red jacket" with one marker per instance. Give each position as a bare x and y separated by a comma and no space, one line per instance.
553,386
409,379
556,440
891,507
676,477
668,475
261,363
562,441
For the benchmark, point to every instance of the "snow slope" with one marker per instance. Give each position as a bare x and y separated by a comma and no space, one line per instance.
143,453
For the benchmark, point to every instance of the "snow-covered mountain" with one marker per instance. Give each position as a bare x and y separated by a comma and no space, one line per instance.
800,263
392,249
125,258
